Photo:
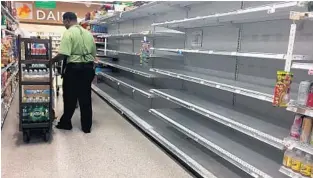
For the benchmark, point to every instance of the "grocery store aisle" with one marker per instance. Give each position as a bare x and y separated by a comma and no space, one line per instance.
113,149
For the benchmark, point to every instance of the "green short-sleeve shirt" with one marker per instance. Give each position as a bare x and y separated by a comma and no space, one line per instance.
78,44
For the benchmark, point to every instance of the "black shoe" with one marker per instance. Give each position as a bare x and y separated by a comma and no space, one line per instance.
86,130
62,127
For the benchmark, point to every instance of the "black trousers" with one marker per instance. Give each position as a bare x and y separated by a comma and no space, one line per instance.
77,81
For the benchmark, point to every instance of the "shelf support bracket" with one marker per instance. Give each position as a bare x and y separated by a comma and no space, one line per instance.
292,36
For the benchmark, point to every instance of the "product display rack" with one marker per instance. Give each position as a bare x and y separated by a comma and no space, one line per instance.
214,87
35,87
9,68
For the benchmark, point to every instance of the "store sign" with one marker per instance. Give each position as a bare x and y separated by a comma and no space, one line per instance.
45,11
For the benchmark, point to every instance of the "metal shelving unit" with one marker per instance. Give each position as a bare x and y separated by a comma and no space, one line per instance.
11,83
202,162
38,108
135,86
226,112
275,11
129,68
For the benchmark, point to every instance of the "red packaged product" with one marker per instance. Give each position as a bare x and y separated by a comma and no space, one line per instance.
310,96
33,51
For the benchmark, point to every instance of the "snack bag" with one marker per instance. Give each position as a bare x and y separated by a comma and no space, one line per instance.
282,89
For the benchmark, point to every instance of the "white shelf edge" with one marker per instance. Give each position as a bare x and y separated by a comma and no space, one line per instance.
233,53
128,69
233,13
221,86
290,173
293,107
150,130
290,144
149,95
150,34
304,66
251,170
118,52
254,133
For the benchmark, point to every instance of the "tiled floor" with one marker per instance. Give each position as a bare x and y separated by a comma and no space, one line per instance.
113,149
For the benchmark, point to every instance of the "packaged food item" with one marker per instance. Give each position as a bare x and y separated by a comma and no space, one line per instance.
296,161
310,96
295,130
282,89
303,93
311,138
306,129
306,166
287,161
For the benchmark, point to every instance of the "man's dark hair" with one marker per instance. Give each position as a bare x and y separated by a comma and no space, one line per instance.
71,16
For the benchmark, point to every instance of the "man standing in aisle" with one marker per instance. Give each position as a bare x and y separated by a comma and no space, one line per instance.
78,50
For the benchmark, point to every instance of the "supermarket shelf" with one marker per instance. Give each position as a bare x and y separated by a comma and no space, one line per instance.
36,125
7,108
266,12
7,67
101,43
304,66
211,137
35,61
188,153
97,34
135,86
251,90
291,143
8,82
34,83
37,57
145,10
251,125
34,103
148,34
114,52
290,173
129,68
8,14
294,107
233,53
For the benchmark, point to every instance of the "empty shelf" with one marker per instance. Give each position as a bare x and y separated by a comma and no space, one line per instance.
143,11
129,68
274,11
148,34
200,161
134,85
252,125
225,146
234,53
251,90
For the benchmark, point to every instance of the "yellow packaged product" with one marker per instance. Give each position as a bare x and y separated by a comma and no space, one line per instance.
287,161
306,166
296,161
